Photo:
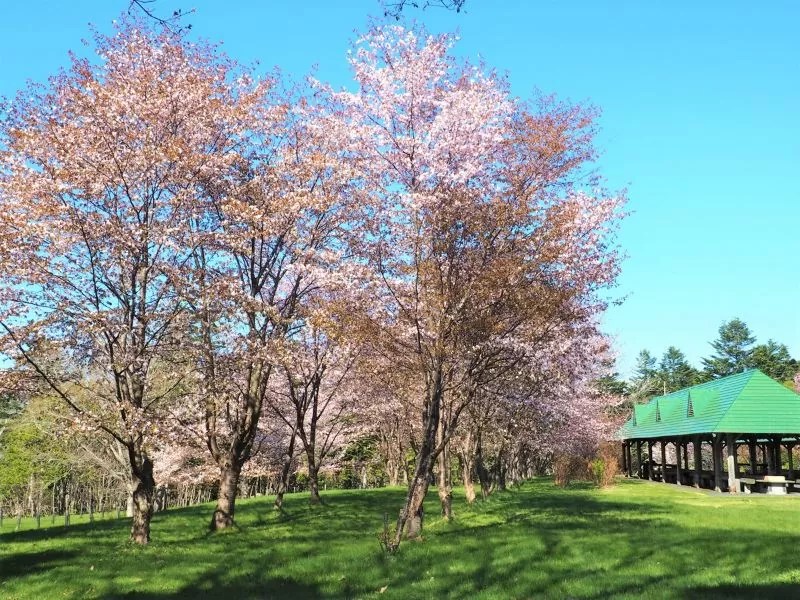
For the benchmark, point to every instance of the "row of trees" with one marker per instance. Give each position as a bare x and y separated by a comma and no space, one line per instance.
212,271
735,350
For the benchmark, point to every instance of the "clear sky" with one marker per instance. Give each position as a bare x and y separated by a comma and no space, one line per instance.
701,123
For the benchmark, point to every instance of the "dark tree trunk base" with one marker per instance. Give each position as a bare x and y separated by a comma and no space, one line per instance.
226,502
142,504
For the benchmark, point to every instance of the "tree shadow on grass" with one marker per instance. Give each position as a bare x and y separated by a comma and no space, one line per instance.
30,563
776,591
215,586
560,544
539,541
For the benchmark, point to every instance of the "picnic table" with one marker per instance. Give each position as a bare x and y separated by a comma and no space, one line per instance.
775,484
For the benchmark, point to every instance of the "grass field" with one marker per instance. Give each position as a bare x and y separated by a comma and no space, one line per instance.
634,540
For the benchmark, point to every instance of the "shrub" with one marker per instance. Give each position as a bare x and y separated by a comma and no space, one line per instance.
604,468
568,467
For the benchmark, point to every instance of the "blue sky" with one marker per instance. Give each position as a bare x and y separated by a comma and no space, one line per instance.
701,123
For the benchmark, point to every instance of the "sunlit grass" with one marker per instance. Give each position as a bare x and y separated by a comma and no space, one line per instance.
634,540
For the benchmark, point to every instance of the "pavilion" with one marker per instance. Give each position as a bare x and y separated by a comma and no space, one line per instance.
746,423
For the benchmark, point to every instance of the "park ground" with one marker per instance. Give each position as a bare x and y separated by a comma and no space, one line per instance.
637,539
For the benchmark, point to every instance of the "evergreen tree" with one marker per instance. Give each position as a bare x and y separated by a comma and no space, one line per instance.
612,384
675,372
773,359
733,350
645,367
644,383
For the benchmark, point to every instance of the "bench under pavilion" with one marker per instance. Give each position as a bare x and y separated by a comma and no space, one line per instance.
733,434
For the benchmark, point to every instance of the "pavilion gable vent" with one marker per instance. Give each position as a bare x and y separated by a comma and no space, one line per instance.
690,407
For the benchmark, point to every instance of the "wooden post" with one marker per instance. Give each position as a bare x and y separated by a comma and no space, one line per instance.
733,484
778,456
627,451
686,456
630,458
624,461
663,461
698,460
650,460
639,459
678,471
716,446
790,449
769,458
752,445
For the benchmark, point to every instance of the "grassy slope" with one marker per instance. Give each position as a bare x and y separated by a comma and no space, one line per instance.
634,540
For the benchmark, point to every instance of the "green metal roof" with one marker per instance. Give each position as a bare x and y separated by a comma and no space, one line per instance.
748,402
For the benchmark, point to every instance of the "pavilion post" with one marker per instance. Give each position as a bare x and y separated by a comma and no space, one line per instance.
752,456
769,458
733,485
624,462
678,472
778,456
698,460
650,460
686,456
790,449
663,461
639,459
630,459
716,446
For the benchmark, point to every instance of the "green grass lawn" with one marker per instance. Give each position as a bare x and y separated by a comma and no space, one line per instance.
635,540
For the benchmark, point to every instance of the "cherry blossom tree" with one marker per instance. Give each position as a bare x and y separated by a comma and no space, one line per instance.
270,237
100,175
317,387
478,239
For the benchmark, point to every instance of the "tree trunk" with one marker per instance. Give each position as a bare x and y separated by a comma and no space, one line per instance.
393,471
443,485
129,503
313,483
467,457
466,472
483,473
226,500
142,500
409,522
283,482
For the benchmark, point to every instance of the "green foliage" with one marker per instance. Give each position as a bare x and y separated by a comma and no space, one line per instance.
733,349
773,359
612,384
597,467
645,369
24,456
675,372
30,447
10,406
541,541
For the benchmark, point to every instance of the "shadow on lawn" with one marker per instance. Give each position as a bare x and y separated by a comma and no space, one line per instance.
777,591
592,547
29,563
540,541
215,585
